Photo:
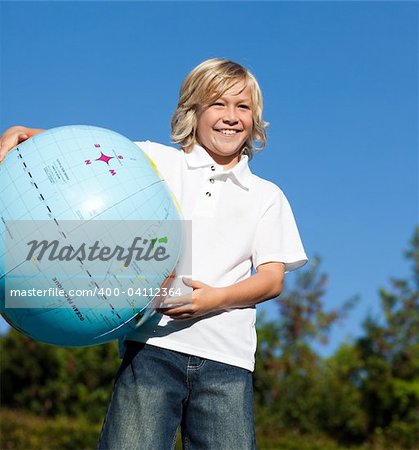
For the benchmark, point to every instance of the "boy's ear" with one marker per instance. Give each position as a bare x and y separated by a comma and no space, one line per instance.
200,108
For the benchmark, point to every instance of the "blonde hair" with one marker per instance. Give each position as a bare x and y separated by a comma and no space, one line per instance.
206,83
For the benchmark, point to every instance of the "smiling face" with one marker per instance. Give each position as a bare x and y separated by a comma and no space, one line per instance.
225,124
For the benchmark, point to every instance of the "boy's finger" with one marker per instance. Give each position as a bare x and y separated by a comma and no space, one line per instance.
175,311
2,153
22,137
171,304
17,140
178,301
9,143
6,145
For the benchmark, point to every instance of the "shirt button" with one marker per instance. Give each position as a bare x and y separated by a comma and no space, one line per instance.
208,194
213,168
211,180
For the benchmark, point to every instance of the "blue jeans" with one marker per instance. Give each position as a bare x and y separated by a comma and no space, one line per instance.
157,390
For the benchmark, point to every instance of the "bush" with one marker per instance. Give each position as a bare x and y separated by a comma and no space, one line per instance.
20,430
52,381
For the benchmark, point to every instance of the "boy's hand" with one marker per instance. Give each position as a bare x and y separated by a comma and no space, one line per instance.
203,300
14,136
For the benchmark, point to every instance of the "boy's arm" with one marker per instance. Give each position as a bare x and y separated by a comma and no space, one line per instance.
14,136
266,283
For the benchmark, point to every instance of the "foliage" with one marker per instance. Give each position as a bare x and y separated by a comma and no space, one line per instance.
52,381
302,314
390,352
25,431
289,375
368,391
340,412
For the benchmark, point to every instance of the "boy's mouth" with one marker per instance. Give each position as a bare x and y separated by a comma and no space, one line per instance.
227,131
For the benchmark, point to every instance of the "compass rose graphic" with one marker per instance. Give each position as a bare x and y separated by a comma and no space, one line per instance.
104,158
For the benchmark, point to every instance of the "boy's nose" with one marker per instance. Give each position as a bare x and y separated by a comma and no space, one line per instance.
230,117
230,121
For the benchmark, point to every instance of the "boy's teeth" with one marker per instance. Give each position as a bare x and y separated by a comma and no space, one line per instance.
228,131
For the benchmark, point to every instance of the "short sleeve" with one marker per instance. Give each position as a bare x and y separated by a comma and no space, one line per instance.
277,238
158,153
167,162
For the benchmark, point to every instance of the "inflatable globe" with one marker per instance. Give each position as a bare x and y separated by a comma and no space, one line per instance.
89,233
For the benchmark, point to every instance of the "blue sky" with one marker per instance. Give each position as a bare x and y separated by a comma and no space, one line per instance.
341,96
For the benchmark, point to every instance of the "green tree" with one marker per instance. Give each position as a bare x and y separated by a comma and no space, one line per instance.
50,381
390,351
288,371
371,389
340,412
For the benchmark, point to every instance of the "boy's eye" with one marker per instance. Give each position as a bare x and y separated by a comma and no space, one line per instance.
218,104
243,106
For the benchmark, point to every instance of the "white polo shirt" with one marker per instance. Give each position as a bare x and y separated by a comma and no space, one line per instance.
239,221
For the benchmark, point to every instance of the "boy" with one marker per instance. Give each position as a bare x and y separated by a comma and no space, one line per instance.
191,366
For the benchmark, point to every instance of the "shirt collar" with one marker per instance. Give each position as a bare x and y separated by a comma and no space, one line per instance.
240,173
